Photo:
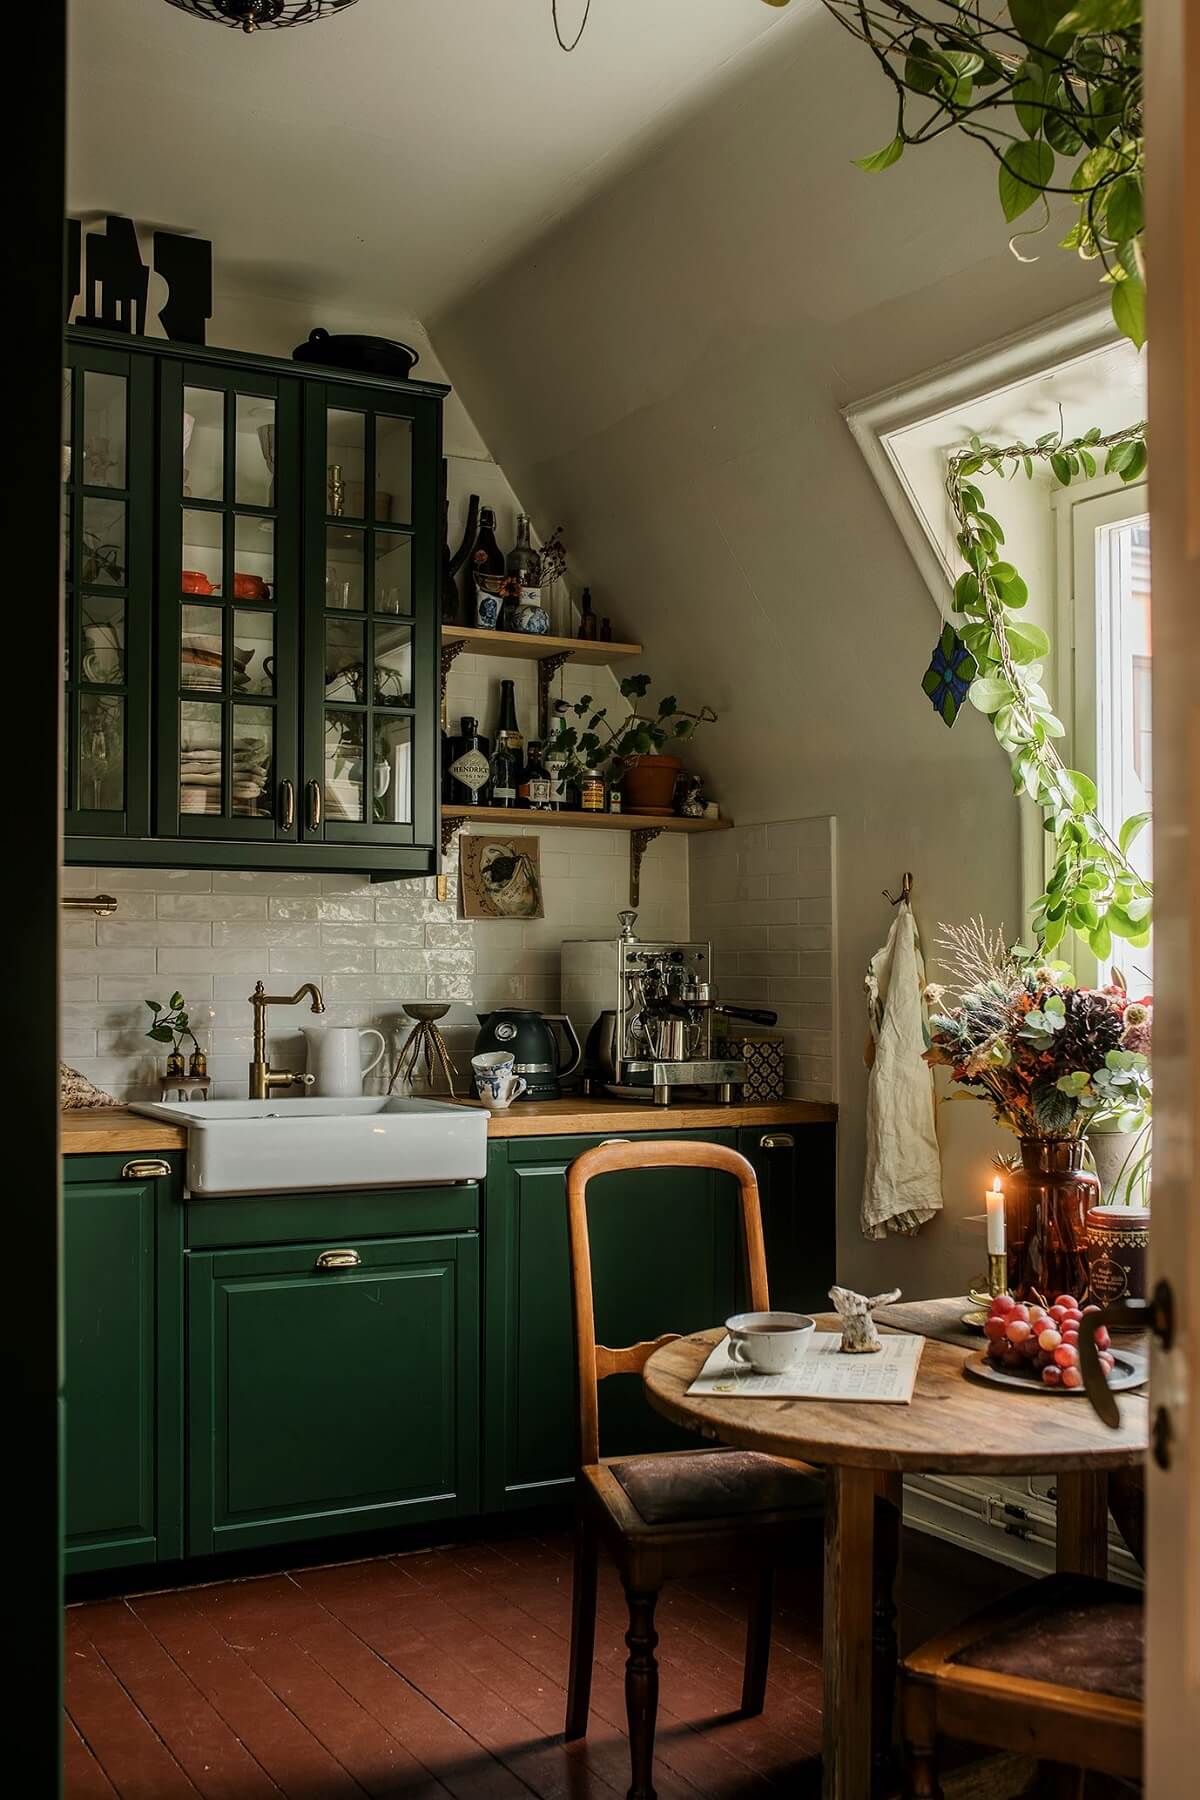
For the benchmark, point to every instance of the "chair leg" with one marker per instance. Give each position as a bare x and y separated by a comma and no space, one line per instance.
641,1692
583,1628
920,1743
758,1643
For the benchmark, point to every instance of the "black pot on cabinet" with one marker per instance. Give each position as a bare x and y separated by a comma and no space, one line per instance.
529,1038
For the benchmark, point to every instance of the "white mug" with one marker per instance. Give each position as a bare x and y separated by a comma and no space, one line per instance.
335,1058
496,1080
770,1342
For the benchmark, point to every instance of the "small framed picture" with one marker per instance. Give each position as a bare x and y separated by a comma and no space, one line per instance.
501,878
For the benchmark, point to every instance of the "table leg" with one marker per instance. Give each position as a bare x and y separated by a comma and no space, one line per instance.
847,1633
1082,1522
889,1514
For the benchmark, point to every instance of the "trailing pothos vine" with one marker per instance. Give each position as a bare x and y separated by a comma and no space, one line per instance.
1051,88
1094,888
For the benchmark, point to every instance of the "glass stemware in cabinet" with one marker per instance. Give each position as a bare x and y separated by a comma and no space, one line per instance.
345,757
101,778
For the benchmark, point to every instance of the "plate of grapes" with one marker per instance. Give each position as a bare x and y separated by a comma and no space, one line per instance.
1037,1346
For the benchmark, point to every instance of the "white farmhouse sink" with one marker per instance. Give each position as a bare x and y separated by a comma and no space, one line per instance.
282,1146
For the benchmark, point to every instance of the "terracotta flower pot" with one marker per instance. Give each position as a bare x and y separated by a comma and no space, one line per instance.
649,785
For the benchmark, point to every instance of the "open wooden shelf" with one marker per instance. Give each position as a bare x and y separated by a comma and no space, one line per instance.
603,821
530,648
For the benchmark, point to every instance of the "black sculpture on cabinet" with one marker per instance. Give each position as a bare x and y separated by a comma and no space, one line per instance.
117,278
185,263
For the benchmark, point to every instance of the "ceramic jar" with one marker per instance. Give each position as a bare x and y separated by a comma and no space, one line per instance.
1045,1220
1118,1241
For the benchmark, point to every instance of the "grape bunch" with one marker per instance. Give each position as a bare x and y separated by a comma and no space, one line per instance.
1042,1341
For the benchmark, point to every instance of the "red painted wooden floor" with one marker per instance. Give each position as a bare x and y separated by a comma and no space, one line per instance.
442,1673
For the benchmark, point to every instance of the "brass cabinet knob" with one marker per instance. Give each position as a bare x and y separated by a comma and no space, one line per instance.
338,1259
777,1140
150,1168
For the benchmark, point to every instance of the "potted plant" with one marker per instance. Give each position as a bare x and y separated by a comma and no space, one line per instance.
169,1025
1055,1061
635,748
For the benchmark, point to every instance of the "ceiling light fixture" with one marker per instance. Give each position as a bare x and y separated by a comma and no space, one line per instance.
261,15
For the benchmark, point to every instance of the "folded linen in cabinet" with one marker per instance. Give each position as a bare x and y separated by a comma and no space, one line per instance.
902,1186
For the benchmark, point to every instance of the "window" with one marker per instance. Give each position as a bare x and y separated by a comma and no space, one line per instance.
1104,629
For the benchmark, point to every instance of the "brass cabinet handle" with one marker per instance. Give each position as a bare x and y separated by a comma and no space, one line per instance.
314,805
604,1142
149,1168
338,1259
287,805
777,1140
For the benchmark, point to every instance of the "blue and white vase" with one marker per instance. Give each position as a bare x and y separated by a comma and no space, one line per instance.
487,609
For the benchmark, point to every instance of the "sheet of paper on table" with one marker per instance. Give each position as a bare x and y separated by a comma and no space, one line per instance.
824,1372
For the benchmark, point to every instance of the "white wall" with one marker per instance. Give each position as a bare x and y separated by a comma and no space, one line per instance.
663,373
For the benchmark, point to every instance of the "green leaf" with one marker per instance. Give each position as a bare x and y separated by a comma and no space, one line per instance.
1053,1109
1062,469
1027,642
1090,17
1081,790
154,1006
1118,456
920,65
1013,591
1129,309
1028,97
177,999
1131,830
1123,215
966,592
162,1034
882,159
667,706
1026,168
1100,941
1136,466
989,693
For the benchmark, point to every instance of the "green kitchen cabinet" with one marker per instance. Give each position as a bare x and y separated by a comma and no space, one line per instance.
333,1388
123,1329
796,1166
665,1257
253,612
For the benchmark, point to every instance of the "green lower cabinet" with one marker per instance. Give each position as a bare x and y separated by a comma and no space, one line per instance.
665,1257
122,1335
796,1166
326,1398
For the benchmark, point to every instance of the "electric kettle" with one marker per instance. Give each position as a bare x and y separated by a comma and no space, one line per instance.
529,1037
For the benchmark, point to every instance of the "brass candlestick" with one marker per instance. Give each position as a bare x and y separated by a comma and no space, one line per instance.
997,1280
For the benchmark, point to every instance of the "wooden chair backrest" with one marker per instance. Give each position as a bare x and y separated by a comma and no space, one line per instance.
596,1361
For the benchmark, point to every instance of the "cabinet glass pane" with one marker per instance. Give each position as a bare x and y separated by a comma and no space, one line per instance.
68,569
202,548
343,568
201,740
253,755
391,777
344,660
202,664
203,443
102,642
68,390
345,463
101,786
393,470
393,665
393,573
253,652
344,765
253,557
254,452
104,399
103,558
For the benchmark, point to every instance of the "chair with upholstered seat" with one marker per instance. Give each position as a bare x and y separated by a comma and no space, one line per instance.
676,1513
1054,1671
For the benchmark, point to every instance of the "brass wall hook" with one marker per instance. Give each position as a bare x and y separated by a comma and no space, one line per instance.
906,887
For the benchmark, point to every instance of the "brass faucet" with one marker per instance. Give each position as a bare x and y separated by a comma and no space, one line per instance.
263,1078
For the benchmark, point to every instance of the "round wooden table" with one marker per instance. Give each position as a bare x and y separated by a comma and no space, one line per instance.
952,1425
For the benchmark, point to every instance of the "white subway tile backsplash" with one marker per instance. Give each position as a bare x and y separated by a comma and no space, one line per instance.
212,906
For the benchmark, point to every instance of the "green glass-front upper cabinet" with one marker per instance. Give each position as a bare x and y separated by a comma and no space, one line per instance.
370,555
253,612
108,575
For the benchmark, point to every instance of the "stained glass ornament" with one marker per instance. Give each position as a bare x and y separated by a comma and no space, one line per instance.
951,671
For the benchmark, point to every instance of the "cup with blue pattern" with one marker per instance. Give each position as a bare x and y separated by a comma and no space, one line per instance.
496,1080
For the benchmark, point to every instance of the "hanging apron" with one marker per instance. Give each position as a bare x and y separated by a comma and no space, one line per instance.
902,1188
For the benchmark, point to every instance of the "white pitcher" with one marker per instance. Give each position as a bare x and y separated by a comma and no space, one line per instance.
335,1057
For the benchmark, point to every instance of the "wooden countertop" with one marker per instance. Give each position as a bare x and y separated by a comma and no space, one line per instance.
116,1130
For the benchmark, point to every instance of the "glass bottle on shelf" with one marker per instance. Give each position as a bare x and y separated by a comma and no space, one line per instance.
471,767
535,782
507,758
588,623
555,761
486,557
523,561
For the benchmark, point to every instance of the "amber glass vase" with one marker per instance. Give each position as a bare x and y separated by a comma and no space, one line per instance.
1045,1220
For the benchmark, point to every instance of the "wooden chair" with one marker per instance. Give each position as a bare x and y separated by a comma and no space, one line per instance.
676,1513
1054,1671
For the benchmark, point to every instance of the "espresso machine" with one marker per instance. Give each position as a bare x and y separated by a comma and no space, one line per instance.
646,1009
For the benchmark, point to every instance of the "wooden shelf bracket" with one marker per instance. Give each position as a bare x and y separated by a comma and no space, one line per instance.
639,841
548,667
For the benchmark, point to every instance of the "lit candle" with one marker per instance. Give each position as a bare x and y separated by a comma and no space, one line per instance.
995,1218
